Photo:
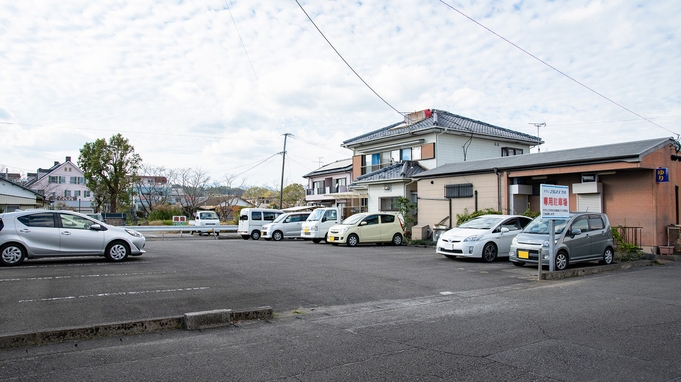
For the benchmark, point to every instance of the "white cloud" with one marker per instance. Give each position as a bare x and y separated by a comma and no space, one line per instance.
175,79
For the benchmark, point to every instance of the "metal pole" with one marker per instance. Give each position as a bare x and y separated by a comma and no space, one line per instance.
552,245
283,163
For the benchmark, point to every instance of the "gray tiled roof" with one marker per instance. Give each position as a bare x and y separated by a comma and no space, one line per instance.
341,165
403,170
616,152
443,120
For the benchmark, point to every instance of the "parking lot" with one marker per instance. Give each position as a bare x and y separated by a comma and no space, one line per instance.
189,274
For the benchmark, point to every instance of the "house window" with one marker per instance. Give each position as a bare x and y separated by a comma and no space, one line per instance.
77,180
389,204
57,179
340,185
318,187
76,193
406,154
67,193
416,153
464,190
510,151
86,193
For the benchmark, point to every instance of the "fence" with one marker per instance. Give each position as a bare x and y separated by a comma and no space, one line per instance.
630,235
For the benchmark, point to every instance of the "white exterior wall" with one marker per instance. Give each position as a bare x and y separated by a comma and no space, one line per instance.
377,191
449,148
67,170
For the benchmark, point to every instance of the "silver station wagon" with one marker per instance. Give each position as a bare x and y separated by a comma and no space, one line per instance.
43,233
584,236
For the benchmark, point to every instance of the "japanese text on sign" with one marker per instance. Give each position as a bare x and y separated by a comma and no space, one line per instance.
555,201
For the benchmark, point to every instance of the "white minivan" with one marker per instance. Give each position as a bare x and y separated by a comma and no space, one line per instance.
251,221
317,225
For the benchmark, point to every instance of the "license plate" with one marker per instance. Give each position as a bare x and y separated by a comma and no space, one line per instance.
307,230
523,255
330,238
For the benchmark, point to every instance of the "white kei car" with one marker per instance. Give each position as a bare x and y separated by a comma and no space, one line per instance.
485,237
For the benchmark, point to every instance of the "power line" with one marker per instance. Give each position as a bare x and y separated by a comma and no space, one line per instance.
346,63
556,69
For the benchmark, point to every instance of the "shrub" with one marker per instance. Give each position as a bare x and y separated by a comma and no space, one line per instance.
462,218
164,212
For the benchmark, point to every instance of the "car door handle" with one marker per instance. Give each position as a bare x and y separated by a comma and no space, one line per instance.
25,230
66,233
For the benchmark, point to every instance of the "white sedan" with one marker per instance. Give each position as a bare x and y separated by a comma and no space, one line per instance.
484,237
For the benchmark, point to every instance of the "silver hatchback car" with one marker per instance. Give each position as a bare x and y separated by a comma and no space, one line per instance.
584,236
45,233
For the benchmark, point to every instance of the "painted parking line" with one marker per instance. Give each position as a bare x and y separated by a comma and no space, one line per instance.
28,266
84,276
110,294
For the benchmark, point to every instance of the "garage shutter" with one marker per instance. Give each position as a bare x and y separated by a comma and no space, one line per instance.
589,202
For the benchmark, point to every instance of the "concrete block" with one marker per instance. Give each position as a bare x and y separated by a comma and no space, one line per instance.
207,319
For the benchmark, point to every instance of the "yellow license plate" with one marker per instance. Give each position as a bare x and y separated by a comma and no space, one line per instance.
523,255
330,238
307,230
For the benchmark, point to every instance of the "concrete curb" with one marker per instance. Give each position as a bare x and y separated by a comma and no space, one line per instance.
189,321
576,272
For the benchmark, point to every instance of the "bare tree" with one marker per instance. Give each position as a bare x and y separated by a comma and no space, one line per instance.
193,184
153,187
225,203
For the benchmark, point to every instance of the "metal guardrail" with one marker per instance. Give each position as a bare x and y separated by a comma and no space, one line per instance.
181,229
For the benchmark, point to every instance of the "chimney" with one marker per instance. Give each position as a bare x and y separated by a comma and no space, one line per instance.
56,162
68,159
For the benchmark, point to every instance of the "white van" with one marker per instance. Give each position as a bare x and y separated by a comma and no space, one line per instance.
318,223
251,221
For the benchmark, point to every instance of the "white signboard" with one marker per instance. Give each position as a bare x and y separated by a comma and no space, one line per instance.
555,201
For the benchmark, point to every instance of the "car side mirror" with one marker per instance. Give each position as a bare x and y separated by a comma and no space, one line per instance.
324,219
363,223
575,232
504,230
96,227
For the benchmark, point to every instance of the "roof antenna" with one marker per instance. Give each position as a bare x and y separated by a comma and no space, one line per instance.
538,125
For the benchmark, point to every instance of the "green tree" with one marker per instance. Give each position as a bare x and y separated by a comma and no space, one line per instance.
294,195
109,168
260,195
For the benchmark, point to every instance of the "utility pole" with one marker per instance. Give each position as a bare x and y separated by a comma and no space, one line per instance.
538,125
283,163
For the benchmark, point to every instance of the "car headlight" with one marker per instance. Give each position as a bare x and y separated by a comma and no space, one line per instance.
343,230
514,241
473,238
314,228
133,233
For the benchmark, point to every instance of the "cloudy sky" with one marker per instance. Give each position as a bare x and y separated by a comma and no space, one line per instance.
215,84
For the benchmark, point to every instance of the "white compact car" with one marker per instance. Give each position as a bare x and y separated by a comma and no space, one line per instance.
485,237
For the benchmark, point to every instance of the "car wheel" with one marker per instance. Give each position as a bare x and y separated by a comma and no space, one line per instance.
489,252
12,254
326,237
245,237
255,235
316,241
452,257
561,260
352,240
277,235
117,251
397,239
517,263
608,256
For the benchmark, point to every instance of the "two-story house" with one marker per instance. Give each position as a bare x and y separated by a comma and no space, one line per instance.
385,160
63,185
328,186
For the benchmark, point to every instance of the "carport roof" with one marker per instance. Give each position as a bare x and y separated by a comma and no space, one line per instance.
616,152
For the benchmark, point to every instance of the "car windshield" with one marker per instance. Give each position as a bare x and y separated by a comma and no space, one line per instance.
353,219
208,215
316,215
280,218
541,226
483,222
